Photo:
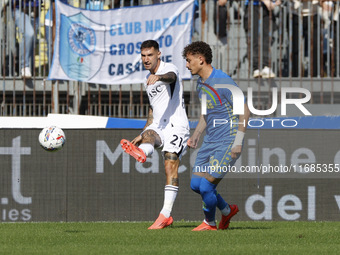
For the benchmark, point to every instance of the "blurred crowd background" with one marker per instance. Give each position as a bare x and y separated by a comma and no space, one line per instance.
260,44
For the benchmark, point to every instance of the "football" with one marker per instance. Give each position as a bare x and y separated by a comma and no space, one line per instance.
52,138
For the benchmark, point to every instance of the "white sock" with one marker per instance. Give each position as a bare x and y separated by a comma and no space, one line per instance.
210,223
170,193
226,210
147,148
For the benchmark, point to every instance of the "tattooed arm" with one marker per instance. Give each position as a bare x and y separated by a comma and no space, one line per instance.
169,77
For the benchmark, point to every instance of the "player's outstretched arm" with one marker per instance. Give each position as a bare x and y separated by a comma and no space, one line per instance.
169,77
242,127
193,140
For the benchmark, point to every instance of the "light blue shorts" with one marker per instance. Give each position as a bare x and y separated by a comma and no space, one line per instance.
214,158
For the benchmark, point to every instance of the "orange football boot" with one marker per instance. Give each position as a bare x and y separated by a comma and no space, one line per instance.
204,226
133,150
224,224
161,222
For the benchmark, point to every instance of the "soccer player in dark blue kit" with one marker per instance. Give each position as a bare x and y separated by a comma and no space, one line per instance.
222,144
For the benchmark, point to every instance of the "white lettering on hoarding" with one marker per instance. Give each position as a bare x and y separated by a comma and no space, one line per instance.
288,206
16,151
13,214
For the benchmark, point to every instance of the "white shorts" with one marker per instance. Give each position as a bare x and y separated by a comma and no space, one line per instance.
174,139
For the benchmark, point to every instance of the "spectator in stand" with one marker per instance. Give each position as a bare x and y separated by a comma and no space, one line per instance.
27,22
268,6
117,3
331,15
336,36
220,18
309,11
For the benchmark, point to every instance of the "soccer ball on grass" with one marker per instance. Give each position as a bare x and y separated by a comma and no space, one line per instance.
52,138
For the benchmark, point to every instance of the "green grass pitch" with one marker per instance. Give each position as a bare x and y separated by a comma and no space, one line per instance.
134,238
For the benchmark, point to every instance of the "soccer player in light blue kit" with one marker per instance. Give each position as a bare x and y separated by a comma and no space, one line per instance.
222,143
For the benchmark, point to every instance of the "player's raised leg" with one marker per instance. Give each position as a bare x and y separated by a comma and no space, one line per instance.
133,150
147,140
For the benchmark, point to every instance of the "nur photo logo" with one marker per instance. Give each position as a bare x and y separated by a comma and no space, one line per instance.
238,99
239,103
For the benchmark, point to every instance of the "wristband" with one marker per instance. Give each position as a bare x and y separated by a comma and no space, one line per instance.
238,138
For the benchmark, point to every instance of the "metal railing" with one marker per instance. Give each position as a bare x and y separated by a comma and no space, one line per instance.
300,48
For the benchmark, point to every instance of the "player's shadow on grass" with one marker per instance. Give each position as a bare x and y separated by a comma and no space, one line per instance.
248,228
230,228
74,231
184,226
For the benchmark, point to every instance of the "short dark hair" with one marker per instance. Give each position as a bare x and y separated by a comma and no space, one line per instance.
198,47
150,44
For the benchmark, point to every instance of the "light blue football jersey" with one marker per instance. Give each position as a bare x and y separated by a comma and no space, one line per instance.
219,108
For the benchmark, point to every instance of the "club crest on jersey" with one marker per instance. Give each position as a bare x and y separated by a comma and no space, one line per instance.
204,97
156,90
79,58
